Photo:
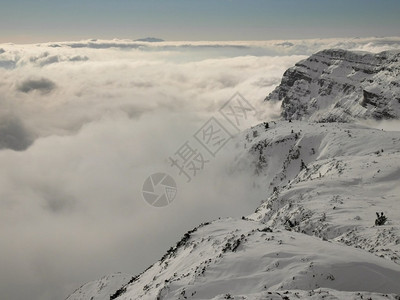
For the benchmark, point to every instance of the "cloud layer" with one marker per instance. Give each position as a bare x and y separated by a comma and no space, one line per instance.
82,124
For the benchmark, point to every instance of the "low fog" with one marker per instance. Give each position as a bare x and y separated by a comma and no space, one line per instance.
82,125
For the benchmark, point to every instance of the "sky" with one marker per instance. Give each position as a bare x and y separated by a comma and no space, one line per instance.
26,21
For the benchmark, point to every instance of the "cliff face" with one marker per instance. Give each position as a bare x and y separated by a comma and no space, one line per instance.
340,86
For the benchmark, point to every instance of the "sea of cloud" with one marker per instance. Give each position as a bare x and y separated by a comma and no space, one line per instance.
82,124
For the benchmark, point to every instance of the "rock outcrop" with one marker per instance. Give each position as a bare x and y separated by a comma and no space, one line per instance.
339,86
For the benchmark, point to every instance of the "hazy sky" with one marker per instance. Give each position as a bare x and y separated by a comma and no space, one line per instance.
24,21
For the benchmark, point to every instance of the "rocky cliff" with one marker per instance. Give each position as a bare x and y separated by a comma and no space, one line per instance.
339,86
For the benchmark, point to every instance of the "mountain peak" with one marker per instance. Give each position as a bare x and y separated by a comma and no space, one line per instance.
150,40
336,85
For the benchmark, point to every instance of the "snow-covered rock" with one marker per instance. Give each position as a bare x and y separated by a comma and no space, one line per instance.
339,85
329,180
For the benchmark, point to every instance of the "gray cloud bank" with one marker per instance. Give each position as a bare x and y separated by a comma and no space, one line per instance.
13,134
43,85
82,124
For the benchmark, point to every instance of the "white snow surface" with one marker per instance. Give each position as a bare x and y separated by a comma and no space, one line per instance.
236,257
351,173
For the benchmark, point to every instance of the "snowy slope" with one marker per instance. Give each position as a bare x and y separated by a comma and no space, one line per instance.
339,85
100,289
237,257
351,172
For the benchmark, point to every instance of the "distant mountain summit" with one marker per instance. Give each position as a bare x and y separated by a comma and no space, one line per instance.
339,86
150,40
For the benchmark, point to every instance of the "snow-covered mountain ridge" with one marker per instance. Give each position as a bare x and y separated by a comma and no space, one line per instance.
314,234
329,180
330,204
339,86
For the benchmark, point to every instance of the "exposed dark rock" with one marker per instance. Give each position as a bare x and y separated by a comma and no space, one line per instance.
339,86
